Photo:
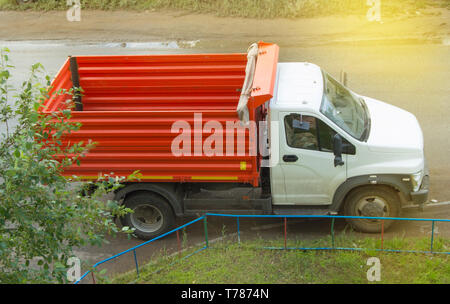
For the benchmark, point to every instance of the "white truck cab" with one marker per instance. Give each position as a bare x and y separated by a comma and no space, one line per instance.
342,151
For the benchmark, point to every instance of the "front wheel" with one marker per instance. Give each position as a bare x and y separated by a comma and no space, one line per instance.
371,202
151,216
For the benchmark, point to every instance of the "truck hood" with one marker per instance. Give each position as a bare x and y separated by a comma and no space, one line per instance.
392,129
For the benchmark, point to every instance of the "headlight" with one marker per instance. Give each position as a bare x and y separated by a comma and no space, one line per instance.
416,180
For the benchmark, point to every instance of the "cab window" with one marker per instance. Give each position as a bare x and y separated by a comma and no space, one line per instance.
308,132
326,135
325,138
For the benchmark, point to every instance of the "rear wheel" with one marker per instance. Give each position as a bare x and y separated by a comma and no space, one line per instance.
151,217
371,202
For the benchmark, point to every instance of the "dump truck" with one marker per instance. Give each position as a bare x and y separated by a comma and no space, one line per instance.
239,133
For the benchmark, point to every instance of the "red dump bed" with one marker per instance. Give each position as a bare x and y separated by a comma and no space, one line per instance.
130,103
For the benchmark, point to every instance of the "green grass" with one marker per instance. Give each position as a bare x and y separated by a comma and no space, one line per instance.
243,8
227,262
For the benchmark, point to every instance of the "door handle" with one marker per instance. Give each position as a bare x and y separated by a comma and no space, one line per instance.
290,158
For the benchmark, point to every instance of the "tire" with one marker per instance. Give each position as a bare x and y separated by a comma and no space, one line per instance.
151,217
371,201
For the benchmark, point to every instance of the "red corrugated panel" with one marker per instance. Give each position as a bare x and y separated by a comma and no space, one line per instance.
130,104
61,82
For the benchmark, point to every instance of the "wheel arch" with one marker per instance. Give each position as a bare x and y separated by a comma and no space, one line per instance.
172,193
392,181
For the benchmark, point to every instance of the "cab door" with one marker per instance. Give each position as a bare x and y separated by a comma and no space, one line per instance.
307,160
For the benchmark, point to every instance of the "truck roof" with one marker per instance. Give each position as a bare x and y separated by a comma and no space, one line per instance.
298,87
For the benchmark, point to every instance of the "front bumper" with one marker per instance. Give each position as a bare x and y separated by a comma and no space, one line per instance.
421,196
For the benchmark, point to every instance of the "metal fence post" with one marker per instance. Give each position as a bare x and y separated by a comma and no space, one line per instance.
332,232
238,231
205,224
382,233
179,242
136,262
432,236
285,233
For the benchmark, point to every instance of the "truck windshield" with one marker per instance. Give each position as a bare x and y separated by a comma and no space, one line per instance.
345,109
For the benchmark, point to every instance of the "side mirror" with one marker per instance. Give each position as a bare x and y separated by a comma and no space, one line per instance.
337,150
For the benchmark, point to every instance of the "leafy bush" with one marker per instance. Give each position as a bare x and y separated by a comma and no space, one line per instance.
42,214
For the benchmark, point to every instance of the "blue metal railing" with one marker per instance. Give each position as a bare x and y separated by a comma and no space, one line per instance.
138,246
285,217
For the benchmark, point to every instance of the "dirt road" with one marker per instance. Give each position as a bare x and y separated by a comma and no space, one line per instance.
98,26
